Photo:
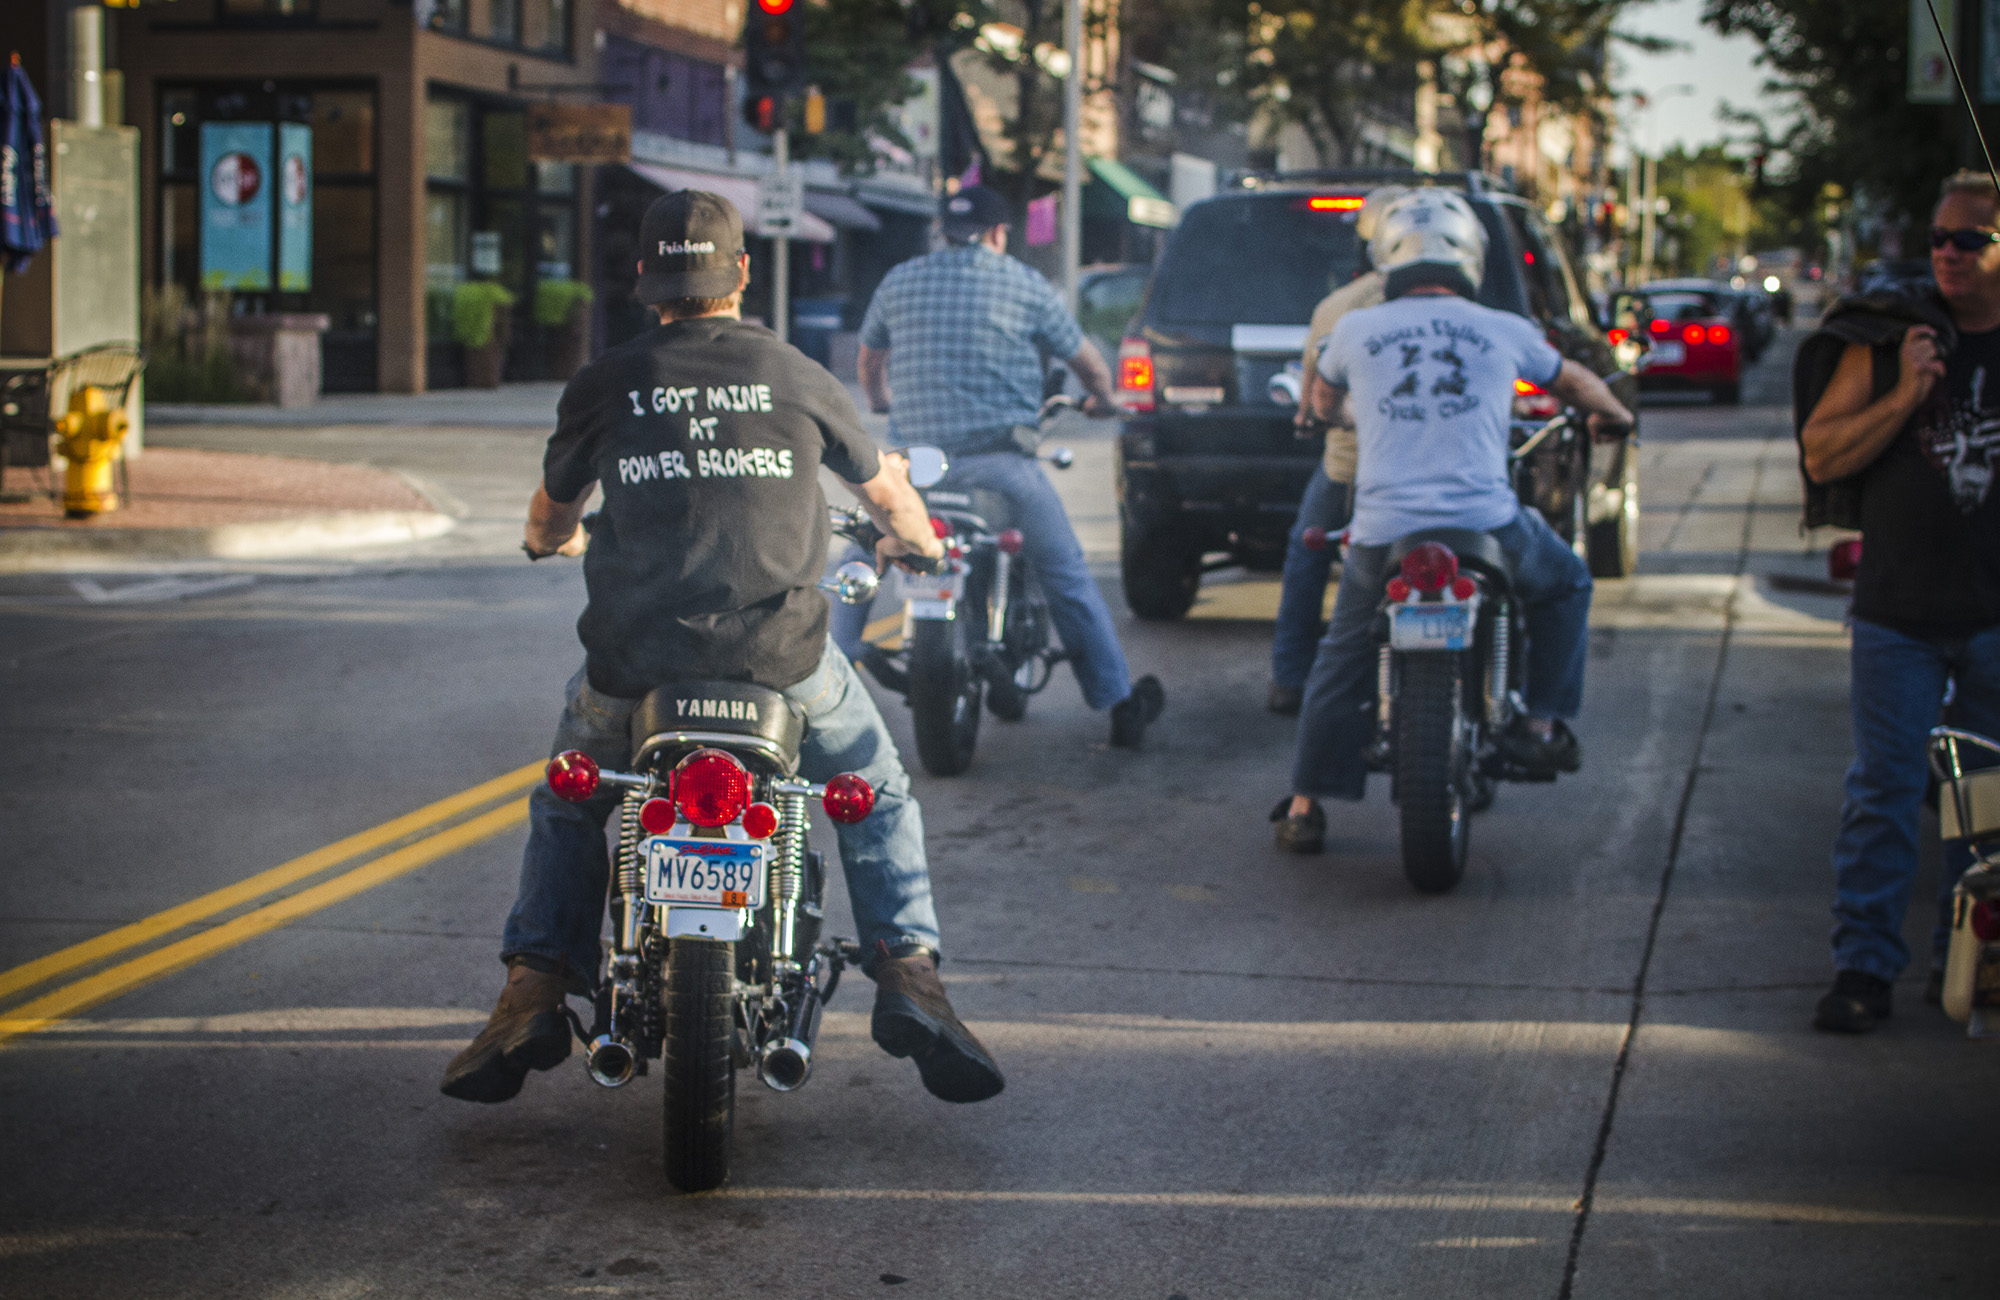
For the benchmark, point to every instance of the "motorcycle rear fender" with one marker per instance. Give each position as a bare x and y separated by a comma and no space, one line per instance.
1474,549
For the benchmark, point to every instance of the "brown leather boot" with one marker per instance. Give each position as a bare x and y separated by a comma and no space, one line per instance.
913,1018
528,1031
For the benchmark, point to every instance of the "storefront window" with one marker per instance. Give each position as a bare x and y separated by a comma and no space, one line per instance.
448,140
545,26
506,21
506,150
555,178
343,124
441,15
555,253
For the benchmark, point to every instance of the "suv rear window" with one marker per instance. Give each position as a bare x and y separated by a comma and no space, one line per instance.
1263,260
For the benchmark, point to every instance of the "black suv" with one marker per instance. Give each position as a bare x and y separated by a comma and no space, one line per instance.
1207,460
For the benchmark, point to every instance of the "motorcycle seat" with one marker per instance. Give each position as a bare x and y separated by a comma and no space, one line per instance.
771,721
1474,549
990,508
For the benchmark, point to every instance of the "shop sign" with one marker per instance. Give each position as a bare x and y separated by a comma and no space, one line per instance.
295,231
236,205
580,133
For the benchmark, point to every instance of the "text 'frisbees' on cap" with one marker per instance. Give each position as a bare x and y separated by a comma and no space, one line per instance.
972,209
689,241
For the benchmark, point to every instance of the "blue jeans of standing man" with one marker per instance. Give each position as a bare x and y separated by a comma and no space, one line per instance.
1337,719
1302,594
559,911
1082,619
1896,697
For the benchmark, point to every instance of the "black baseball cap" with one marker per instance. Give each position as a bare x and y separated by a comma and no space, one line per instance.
972,210
689,241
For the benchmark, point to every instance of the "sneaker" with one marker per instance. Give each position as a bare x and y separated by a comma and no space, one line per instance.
1299,833
913,1019
1856,1004
1560,752
527,1031
1285,700
1132,715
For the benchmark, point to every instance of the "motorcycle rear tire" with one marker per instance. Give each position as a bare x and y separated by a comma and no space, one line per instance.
1429,782
944,696
701,1078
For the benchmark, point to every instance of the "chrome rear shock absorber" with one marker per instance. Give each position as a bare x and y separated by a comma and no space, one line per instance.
614,1057
996,608
1385,690
1499,668
788,876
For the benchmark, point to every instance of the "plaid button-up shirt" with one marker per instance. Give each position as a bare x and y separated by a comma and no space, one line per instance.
966,329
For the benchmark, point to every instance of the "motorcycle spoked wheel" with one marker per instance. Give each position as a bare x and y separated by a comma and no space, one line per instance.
1431,772
944,695
700,1118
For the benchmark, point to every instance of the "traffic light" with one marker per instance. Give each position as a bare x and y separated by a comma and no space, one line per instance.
774,58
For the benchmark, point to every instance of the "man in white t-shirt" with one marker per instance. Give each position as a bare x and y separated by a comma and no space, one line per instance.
1429,379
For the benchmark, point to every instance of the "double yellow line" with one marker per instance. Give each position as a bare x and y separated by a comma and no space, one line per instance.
62,1003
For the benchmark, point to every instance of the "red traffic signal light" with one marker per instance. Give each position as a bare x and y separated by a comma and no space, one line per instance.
761,113
775,6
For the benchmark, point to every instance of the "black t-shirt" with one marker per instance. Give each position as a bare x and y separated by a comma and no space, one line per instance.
707,436
1930,520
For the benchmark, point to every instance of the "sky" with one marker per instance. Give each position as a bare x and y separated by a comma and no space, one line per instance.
1713,69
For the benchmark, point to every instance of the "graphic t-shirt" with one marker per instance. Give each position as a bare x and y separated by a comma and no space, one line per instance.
1930,520
1431,384
706,436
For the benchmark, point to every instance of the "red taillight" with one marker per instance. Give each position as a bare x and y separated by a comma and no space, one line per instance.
1314,538
1331,202
760,821
849,799
572,776
1135,375
1533,402
1399,591
1843,561
657,816
1011,540
942,527
1692,334
1524,388
1429,566
711,788
1462,587
1618,336
1718,334
1985,922
1659,326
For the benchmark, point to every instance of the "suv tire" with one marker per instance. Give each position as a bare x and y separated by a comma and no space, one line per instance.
1161,572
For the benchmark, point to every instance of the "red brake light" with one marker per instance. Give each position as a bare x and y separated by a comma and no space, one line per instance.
711,788
1011,540
1399,591
1985,922
1462,587
1524,388
775,6
1135,375
1692,334
760,821
657,816
1429,566
941,527
1843,561
849,799
1314,538
1658,326
572,776
1332,203
1718,334
1528,257
1618,336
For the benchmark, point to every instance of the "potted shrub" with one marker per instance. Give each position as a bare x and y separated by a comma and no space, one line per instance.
562,309
482,322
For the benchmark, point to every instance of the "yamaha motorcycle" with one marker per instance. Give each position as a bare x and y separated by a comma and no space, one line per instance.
717,963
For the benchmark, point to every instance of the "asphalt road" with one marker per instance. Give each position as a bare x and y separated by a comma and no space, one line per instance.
1587,1072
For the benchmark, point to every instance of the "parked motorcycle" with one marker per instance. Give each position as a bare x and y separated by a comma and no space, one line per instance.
980,627
716,963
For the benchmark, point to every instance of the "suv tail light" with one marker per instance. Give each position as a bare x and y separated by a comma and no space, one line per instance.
711,788
1430,566
1533,402
1135,375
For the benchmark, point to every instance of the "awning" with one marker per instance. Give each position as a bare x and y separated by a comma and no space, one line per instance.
739,190
1142,205
841,211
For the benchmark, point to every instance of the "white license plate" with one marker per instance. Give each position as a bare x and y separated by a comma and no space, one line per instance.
717,873
1430,627
932,586
1666,354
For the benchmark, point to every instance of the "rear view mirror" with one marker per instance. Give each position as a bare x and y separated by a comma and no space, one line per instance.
927,466
854,583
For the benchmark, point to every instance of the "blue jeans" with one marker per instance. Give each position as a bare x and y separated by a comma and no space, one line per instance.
1896,698
1337,719
1302,594
1076,606
559,911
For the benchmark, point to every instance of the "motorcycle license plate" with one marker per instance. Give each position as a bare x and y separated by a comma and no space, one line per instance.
1430,627
1666,354
932,586
714,873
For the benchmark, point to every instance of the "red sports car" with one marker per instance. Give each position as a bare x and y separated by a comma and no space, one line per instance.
1692,342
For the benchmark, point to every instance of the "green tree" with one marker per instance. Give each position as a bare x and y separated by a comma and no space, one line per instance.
1709,210
858,51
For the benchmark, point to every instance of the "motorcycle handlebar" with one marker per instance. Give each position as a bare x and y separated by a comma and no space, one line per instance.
857,527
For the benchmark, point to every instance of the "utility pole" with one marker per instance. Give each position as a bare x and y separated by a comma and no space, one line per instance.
1648,217
781,246
1072,190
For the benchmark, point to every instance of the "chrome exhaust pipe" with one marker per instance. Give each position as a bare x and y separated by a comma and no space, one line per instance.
785,1062
611,1061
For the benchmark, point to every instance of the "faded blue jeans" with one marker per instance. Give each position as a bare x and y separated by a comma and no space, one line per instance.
1302,594
1076,606
566,868
1896,697
1337,719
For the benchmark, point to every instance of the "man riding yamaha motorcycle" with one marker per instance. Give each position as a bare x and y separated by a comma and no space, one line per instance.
1429,379
706,436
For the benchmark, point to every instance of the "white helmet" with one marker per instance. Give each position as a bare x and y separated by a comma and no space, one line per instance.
1430,229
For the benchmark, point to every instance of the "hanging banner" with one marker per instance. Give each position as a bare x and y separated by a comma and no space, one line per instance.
1930,70
295,219
236,205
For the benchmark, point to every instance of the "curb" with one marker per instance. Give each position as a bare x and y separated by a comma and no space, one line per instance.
27,550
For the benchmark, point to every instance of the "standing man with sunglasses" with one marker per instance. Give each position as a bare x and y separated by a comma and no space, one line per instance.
1909,423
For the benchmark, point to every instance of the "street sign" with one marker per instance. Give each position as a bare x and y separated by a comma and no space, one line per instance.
781,203
580,133
1929,63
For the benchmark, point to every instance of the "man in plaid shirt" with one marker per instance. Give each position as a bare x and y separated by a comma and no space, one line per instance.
960,337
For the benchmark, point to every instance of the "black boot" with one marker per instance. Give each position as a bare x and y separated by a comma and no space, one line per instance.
1299,832
1132,715
1856,1004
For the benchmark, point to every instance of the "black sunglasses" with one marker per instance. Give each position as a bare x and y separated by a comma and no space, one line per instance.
1965,241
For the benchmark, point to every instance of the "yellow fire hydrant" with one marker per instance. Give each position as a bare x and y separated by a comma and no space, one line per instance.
90,436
